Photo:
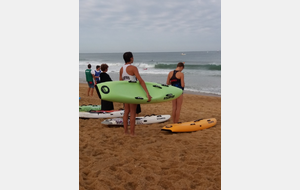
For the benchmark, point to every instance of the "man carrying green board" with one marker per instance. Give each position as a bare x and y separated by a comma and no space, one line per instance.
130,73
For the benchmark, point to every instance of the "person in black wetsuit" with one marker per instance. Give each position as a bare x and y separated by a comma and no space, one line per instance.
176,78
104,77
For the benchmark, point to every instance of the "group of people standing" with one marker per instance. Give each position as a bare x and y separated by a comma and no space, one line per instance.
130,72
94,77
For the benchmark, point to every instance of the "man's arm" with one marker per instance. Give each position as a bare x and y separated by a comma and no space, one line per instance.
121,72
142,82
93,74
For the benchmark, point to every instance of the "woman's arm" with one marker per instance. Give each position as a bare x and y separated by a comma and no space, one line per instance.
182,80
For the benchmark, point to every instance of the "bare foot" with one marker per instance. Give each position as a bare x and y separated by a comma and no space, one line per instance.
132,135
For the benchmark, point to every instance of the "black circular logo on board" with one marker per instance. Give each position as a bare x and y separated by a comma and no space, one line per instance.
105,89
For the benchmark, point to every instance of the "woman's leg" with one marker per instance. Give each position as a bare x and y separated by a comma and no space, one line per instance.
179,101
174,102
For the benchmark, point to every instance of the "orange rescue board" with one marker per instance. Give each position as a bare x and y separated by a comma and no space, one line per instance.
191,126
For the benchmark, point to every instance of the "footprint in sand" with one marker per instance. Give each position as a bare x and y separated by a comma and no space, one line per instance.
150,178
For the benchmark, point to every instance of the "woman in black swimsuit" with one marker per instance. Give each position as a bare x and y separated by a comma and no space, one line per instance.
176,78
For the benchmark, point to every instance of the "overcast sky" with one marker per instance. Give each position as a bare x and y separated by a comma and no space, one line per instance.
149,26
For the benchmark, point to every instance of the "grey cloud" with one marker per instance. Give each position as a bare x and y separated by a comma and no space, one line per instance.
191,17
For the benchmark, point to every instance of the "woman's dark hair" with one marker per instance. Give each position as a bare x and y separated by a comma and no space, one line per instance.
180,64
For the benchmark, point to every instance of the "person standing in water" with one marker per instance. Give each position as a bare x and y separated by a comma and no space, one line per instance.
130,73
176,78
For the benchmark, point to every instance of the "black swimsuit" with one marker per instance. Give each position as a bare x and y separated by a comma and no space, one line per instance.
175,81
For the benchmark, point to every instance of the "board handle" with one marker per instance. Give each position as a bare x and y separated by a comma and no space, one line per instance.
132,81
198,120
150,115
169,94
165,85
139,98
157,86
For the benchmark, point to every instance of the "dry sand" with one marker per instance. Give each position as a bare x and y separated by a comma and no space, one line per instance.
154,159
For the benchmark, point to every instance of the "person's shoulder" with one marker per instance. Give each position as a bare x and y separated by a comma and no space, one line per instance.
132,66
180,73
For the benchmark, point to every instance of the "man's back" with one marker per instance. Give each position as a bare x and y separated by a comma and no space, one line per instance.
88,75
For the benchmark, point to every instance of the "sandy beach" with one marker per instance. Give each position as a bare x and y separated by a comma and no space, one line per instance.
154,159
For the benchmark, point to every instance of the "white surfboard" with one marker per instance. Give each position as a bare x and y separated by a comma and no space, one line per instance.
148,119
101,114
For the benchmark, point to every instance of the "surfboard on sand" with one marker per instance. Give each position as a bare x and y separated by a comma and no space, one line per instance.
133,93
101,114
89,107
148,119
196,125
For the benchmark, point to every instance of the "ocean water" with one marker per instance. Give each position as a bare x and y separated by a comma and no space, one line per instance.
202,71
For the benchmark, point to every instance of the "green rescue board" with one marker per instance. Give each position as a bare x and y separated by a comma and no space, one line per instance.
133,93
89,107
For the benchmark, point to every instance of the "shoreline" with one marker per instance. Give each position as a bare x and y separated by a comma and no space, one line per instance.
201,93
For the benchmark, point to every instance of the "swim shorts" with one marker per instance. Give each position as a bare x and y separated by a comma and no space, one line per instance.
91,84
